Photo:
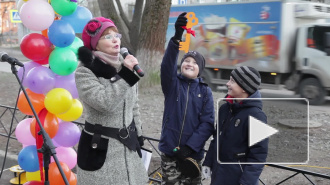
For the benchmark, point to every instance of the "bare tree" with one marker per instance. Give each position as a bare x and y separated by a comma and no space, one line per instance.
152,36
145,34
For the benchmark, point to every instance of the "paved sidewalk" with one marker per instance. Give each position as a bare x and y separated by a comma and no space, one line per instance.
11,160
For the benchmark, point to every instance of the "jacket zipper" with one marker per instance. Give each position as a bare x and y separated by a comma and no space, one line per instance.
239,163
224,127
184,116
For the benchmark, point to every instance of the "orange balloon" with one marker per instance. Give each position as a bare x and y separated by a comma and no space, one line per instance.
55,177
37,101
45,33
51,125
73,179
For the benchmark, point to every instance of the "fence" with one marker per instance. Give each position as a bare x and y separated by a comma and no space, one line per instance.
12,116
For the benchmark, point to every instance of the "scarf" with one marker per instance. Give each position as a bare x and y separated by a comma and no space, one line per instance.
109,59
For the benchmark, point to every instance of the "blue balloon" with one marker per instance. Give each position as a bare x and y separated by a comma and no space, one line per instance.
79,18
28,159
61,34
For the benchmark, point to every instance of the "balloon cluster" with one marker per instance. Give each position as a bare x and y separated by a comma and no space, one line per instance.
50,83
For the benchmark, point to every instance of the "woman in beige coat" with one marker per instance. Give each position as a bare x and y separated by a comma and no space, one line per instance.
109,147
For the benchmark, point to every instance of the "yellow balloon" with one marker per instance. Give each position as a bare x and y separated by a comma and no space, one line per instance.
73,113
58,101
33,176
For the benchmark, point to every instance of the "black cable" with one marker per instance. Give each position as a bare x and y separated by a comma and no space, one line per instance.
11,126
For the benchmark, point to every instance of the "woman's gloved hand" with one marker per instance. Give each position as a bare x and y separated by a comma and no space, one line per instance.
141,140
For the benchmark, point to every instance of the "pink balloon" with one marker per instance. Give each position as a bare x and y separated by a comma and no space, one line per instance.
23,133
28,66
23,145
40,80
67,82
67,155
37,15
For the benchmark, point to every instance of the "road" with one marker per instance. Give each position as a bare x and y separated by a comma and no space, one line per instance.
270,93
266,93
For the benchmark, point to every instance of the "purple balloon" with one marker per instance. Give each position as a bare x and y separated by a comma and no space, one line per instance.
67,82
68,134
28,66
40,80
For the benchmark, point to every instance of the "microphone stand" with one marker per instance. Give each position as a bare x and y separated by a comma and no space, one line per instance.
48,148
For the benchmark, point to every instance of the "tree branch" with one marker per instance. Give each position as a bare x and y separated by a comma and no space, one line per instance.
108,10
134,29
122,14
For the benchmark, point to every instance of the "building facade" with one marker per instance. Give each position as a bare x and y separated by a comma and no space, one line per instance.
8,29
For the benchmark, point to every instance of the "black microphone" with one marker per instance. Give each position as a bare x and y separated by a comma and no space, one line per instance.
5,58
124,52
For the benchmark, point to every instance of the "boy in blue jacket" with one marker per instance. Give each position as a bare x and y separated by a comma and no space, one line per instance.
188,119
233,127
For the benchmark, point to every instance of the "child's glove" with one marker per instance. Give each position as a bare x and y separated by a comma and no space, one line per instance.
181,21
183,152
206,171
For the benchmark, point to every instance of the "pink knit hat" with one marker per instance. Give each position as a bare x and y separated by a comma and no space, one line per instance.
94,29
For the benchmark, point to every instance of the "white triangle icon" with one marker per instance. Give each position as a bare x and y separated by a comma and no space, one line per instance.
259,131
16,16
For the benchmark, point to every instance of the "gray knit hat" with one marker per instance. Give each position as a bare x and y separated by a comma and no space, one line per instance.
247,78
199,59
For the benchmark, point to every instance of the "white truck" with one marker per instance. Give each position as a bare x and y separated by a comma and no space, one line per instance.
287,41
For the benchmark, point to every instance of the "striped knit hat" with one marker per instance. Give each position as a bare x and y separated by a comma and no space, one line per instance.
247,78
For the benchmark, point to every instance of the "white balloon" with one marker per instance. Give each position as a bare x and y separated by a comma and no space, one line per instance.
37,15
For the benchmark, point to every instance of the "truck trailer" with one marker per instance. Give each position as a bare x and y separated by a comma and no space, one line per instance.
287,41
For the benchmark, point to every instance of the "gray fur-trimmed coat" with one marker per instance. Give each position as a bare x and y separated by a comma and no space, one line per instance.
106,96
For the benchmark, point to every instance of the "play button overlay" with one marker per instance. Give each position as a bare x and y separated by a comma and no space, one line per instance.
259,131
286,129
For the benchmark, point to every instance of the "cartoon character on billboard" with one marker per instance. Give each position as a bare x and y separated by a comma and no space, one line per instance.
236,33
215,27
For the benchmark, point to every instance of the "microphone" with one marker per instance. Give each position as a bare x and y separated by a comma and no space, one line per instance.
124,53
5,58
